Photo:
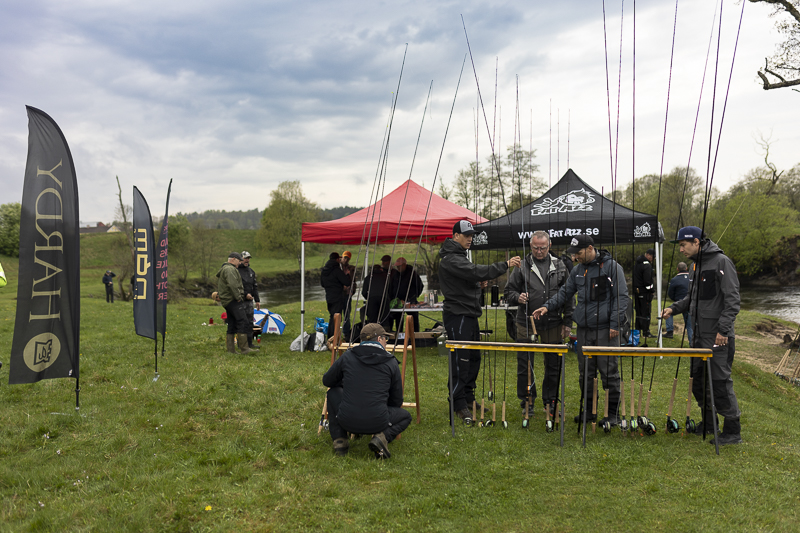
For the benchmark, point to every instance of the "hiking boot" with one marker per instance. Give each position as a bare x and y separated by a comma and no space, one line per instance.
465,415
341,447
380,446
728,438
529,411
648,335
667,335
229,344
241,338
253,347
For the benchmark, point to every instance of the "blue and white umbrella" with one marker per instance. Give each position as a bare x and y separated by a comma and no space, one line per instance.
269,322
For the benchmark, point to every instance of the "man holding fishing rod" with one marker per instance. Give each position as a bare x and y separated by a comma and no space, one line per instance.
713,303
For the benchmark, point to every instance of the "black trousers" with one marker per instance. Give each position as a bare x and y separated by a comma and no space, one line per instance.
399,418
724,397
552,364
334,307
110,293
465,365
608,367
250,313
642,305
237,318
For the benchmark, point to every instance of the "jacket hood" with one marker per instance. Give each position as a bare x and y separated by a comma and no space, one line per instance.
224,266
451,247
602,255
330,265
371,354
641,259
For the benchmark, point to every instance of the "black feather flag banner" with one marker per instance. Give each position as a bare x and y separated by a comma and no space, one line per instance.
47,327
161,270
144,309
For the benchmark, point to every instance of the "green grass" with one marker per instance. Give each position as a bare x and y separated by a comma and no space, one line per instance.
237,435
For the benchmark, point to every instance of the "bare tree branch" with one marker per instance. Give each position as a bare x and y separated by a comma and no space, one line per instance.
787,56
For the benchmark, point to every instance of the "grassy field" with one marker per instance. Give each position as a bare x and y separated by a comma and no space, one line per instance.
227,442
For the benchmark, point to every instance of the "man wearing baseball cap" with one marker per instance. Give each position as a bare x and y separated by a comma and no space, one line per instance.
231,295
251,299
366,394
461,283
600,315
713,303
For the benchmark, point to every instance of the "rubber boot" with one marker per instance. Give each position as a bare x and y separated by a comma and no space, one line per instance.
242,340
731,432
229,345
253,348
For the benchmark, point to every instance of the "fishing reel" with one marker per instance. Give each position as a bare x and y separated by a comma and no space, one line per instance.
648,427
606,425
549,427
623,425
491,395
634,424
505,424
691,427
489,423
525,423
672,425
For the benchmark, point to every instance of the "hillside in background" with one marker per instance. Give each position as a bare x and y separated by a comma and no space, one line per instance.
218,219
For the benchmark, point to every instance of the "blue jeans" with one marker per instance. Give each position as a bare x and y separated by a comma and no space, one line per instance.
686,320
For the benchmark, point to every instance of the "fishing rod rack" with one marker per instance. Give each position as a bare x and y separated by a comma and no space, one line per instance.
617,351
559,349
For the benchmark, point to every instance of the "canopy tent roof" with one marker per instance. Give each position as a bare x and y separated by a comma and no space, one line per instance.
407,208
569,208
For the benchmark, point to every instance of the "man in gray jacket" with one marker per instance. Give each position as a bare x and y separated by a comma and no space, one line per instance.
713,304
461,283
600,315
529,287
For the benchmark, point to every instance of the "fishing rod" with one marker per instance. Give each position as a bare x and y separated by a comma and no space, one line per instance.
646,424
672,424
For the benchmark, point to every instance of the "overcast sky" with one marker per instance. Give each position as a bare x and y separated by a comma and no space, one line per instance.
230,98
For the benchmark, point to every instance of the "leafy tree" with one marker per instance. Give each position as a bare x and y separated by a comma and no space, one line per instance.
281,224
10,215
747,225
207,249
679,188
785,63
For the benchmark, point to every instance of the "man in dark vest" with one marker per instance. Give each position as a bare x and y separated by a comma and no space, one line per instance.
250,286
336,283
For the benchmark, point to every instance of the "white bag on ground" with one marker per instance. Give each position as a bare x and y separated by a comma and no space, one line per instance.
319,342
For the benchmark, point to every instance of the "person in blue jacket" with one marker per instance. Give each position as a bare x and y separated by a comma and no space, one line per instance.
677,291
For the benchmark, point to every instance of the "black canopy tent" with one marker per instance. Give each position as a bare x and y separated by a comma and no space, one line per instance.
569,208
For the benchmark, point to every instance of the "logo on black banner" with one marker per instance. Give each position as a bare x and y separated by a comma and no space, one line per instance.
577,200
480,238
41,351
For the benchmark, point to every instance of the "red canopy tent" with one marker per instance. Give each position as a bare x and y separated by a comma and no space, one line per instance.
405,207
413,209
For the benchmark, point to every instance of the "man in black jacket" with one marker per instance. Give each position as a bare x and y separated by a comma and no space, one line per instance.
375,290
529,287
108,281
643,290
336,283
366,394
461,283
250,286
600,315
406,287
713,303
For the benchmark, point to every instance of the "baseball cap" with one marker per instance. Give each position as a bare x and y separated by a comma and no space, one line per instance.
463,227
346,253
578,243
688,233
372,331
235,255
245,254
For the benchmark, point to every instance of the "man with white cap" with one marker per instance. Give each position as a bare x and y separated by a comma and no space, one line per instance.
462,282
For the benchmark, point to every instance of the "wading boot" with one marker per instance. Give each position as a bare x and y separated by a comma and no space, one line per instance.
242,340
229,345
253,347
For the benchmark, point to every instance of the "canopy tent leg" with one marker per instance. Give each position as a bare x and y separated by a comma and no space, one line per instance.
302,294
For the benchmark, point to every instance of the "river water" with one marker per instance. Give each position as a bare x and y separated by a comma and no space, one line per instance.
783,302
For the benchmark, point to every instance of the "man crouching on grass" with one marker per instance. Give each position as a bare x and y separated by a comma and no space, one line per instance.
366,394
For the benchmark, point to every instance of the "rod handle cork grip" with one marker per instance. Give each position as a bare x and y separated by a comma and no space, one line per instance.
533,326
672,398
504,410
